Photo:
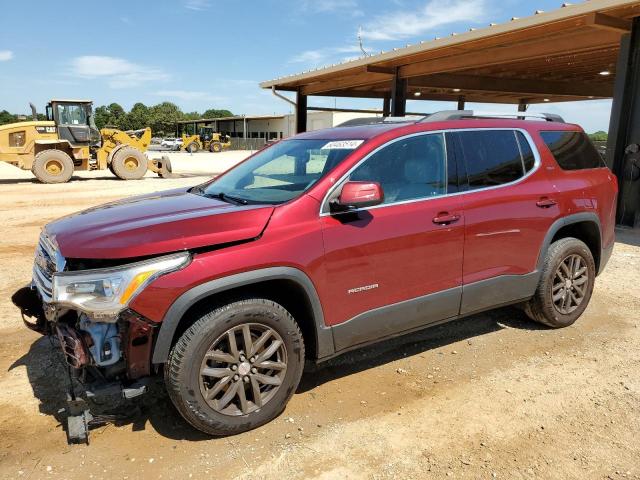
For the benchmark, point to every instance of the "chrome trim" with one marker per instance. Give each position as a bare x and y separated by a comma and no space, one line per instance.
47,262
534,149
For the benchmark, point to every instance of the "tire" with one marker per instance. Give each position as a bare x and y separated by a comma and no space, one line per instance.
167,168
562,310
52,166
215,147
129,163
193,147
187,386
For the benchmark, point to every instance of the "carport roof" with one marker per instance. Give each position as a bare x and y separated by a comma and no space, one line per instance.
562,55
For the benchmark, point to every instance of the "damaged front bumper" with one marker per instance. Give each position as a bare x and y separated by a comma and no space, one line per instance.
107,360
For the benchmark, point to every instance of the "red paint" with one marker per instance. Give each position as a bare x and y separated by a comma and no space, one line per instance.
405,250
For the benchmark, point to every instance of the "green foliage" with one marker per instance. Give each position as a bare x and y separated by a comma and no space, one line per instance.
213,113
599,136
6,117
161,118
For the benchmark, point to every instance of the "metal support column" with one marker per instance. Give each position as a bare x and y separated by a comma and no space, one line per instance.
461,102
386,107
623,145
398,96
301,112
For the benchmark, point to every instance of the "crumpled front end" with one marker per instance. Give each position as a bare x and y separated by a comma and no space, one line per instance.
87,311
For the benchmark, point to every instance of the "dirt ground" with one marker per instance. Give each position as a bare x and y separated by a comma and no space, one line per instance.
490,396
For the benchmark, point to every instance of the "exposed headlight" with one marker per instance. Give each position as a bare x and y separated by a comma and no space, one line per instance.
105,292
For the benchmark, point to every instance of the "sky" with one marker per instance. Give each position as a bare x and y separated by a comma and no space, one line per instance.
203,54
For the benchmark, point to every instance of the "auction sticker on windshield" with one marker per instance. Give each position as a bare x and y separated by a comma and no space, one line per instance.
342,145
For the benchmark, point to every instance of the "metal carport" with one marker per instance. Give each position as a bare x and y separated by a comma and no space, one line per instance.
578,52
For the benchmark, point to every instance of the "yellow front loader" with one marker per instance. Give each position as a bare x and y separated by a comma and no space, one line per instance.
207,139
69,140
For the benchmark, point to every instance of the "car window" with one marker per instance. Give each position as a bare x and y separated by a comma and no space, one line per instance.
492,157
282,171
572,150
407,169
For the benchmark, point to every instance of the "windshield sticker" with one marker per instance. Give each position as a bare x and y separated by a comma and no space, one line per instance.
342,144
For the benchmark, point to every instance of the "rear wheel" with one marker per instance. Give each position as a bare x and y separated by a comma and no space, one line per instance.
52,166
129,163
236,367
193,147
566,284
215,147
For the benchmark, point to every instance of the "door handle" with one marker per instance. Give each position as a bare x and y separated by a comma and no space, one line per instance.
445,218
546,202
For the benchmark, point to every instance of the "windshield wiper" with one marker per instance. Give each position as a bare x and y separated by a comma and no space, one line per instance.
227,198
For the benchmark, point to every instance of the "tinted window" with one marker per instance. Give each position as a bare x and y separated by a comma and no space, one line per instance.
572,150
528,158
407,169
492,157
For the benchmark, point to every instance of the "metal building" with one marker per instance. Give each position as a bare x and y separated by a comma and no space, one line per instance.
585,51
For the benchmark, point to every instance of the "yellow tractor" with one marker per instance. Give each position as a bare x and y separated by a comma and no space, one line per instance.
69,140
207,139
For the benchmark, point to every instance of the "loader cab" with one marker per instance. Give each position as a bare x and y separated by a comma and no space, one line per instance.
206,134
75,121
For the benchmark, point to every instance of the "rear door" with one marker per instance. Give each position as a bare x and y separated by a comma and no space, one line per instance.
509,207
394,267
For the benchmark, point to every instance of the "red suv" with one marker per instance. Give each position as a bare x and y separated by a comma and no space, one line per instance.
319,244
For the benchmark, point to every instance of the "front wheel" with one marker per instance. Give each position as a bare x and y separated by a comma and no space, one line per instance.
236,367
215,147
193,147
566,284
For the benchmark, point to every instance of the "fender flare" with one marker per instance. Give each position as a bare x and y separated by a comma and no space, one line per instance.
173,316
563,222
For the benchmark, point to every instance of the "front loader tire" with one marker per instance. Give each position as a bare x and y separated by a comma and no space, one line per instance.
193,147
216,147
52,166
129,163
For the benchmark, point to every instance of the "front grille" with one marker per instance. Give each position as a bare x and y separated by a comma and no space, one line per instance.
47,261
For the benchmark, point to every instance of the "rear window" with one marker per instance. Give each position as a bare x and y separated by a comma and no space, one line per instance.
572,150
492,157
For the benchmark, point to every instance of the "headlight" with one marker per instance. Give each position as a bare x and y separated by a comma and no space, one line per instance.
105,292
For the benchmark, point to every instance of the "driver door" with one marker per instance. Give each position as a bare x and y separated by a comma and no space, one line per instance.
396,266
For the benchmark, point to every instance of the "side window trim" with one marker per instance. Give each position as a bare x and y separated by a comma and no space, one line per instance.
461,166
324,207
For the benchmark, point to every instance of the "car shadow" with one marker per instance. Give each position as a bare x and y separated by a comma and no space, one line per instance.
49,378
415,343
628,236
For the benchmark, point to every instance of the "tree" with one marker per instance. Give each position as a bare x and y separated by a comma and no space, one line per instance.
137,118
214,113
599,136
163,117
6,117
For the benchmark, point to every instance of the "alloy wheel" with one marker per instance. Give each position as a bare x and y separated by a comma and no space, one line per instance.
243,369
570,284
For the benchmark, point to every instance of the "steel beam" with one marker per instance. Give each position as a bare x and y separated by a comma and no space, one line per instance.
624,127
301,112
398,96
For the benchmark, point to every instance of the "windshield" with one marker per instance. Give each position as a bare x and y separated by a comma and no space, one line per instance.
69,114
281,172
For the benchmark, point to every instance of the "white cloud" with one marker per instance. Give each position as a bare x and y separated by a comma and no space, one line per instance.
188,95
325,55
435,13
5,55
118,72
197,5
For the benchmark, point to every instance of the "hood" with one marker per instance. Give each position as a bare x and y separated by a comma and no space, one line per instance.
157,223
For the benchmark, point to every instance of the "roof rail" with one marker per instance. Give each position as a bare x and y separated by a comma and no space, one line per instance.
462,114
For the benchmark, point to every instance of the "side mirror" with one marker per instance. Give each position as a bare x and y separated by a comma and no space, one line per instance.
358,195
